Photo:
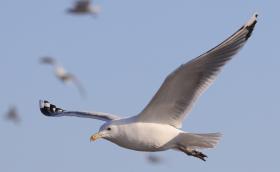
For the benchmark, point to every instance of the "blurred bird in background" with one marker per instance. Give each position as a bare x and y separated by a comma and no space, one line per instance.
154,159
63,75
12,115
84,7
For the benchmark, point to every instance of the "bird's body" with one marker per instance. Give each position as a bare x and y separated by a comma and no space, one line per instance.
61,73
133,135
12,115
157,127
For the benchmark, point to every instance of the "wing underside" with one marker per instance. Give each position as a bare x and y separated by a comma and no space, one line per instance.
49,109
182,87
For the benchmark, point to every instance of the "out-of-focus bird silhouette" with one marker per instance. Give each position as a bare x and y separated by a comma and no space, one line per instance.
154,159
84,7
63,75
12,115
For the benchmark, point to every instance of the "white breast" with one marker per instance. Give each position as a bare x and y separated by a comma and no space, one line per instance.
146,136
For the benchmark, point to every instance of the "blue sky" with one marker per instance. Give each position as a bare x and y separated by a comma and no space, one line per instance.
122,57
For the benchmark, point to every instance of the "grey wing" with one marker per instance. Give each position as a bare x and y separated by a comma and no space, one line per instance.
78,84
47,60
82,3
182,87
49,109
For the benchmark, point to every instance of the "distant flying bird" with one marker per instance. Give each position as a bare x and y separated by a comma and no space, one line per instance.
12,115
157,127
85,7
154,159
63,75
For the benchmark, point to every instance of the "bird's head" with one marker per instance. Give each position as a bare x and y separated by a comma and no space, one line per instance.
107,131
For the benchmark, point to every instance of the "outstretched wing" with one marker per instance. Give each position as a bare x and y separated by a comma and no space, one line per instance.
78,84
47,60
182,87
82,3
49,109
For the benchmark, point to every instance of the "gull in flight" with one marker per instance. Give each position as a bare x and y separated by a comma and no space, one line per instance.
157,127
12,115
63,75
154,159
84,7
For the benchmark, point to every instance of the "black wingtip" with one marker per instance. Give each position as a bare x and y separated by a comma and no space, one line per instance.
250,25
49,109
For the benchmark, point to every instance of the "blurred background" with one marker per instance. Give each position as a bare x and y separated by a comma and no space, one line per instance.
121,57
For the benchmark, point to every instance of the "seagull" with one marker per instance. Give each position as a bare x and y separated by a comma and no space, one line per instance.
157,127
12,115
84,7
153,159
62,74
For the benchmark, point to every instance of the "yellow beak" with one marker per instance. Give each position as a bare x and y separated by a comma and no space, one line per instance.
95,137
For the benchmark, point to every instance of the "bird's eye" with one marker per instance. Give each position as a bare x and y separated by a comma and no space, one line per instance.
108,128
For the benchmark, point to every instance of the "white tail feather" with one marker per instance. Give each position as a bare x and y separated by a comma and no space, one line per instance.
198,141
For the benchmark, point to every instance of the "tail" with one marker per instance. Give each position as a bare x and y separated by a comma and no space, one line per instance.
198,141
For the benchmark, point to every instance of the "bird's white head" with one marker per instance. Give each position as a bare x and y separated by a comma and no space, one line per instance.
107,131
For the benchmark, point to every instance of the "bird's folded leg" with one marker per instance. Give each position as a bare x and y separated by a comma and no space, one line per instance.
193,152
